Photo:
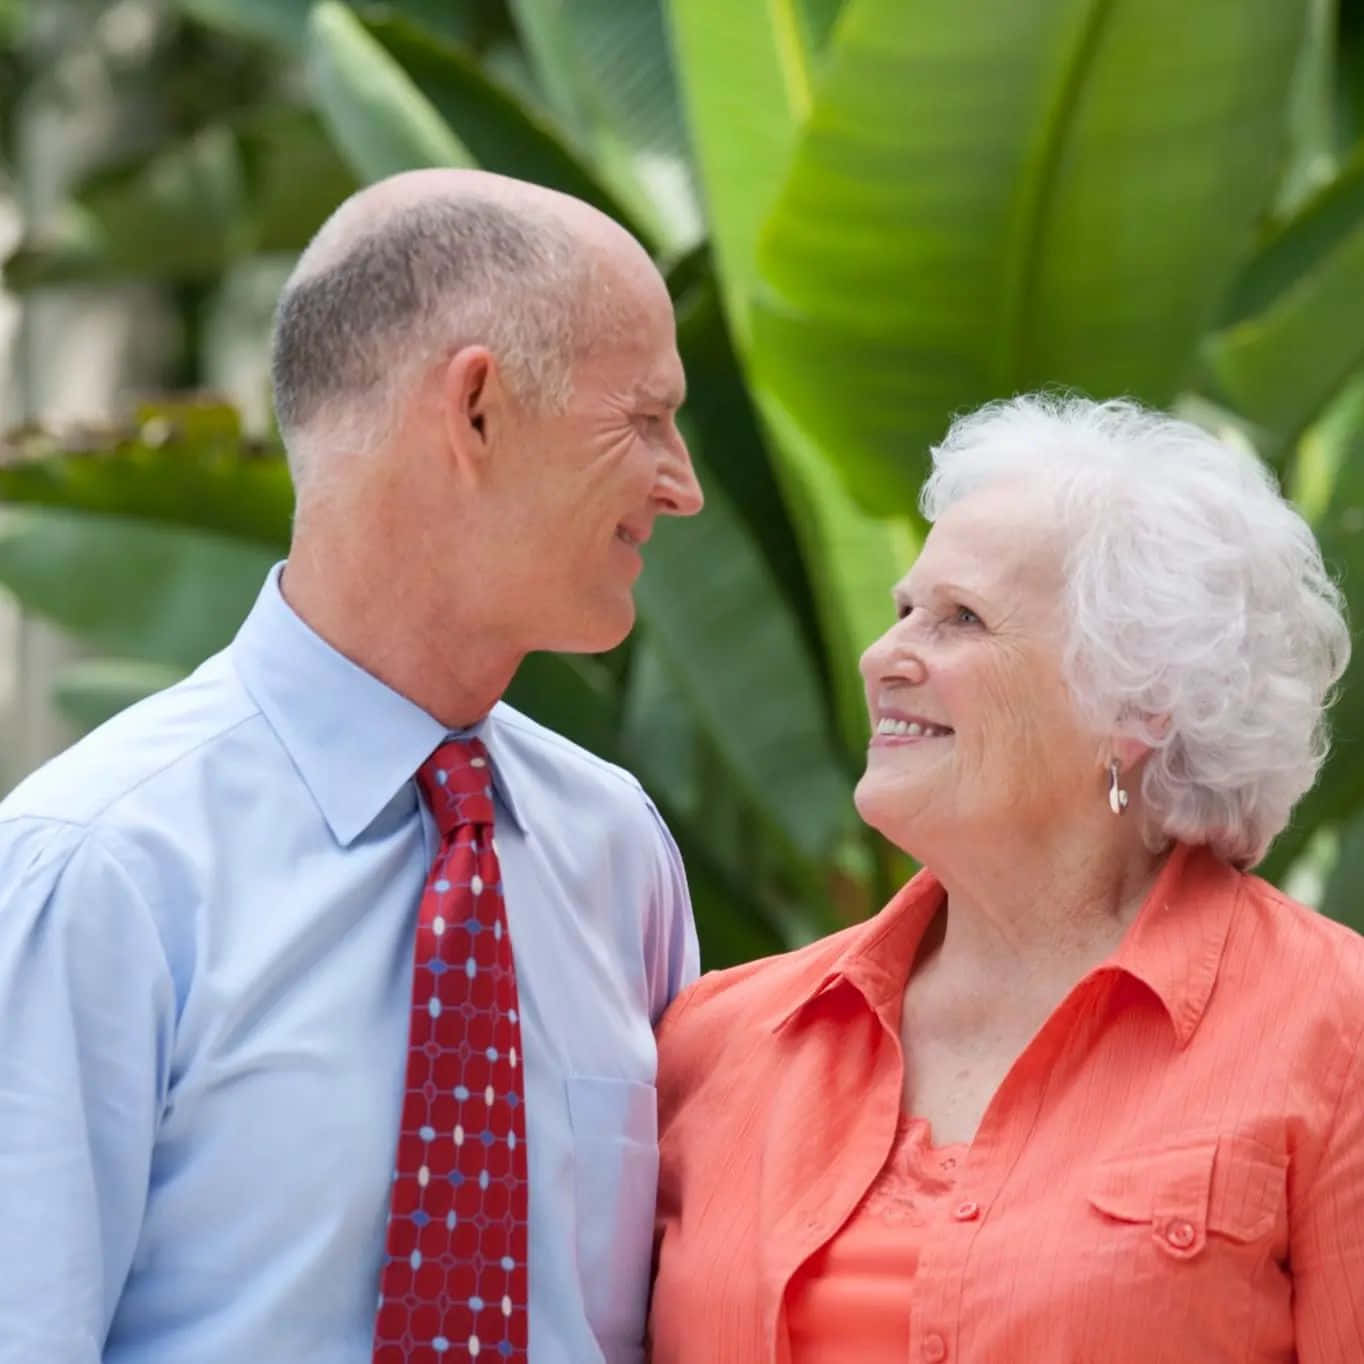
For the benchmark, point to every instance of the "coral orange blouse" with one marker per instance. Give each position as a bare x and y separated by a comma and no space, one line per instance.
846,1303
1172,1171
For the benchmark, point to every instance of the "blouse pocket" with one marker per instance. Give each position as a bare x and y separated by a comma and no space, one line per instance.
1230,1187
615,1160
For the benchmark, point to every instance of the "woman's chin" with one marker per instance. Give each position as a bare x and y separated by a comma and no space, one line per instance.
891,807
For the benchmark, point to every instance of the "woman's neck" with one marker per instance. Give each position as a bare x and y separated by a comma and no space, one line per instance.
1042,911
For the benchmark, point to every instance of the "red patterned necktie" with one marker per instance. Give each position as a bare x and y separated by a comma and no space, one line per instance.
454,1282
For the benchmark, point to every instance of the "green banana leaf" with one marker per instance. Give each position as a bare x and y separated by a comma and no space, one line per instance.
719,415
608,67
285,22
736,653
854,560
182,464
1310,159
986,198
1339,792
1293,331
572,694
658,732
93,690
499,129
294,174
379,119
187,211
745,75
1350,73
180,214
1343,898
136,589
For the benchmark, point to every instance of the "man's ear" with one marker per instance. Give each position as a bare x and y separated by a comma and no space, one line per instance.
471,397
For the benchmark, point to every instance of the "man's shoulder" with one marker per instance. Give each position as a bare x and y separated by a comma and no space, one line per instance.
131,753
578,773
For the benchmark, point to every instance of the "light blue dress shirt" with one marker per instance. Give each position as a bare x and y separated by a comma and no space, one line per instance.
206,934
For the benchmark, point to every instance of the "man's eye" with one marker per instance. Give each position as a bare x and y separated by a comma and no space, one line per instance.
902,610
963,615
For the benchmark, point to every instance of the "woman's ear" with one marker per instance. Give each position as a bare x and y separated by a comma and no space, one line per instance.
1129,752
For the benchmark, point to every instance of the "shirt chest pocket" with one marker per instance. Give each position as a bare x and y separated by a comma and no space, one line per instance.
615,1172
1229,1189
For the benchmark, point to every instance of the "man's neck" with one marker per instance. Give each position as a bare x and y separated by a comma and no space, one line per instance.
373,609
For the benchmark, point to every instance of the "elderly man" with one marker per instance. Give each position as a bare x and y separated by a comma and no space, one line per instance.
298,1063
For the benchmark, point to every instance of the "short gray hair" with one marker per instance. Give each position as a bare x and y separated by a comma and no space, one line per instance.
350,336
1201,618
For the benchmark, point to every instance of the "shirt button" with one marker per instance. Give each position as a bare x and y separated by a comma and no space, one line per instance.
935,1348
966,1212
1180,1234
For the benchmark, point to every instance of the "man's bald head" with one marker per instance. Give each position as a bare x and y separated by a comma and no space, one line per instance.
410,269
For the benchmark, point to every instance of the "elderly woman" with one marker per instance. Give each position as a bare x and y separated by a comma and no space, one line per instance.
1085,1091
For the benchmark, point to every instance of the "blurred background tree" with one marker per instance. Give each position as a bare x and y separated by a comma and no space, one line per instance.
871,213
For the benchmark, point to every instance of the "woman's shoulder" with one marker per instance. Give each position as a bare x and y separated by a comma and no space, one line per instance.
1301,940
765,986
1287,960
725,1026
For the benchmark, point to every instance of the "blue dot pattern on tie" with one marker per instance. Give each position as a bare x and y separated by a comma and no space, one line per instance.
454,1284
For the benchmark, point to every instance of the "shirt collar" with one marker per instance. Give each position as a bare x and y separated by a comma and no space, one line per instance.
876,957
354,740
1174,946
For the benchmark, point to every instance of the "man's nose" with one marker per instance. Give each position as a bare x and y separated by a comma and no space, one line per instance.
678,492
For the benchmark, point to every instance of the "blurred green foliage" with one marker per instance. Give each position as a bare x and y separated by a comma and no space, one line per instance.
872,214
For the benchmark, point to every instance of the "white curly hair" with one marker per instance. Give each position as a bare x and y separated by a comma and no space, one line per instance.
1202,620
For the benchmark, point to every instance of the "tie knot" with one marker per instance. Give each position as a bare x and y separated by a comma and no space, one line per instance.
458,784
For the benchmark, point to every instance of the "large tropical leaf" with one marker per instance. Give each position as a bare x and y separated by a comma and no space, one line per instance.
1293,332
137,589
277,21
1339,792
987,198
719,415
1344,895
854,559
380,120
501,131
745,73
92,690
186,211
608,66
571,694
1313,143
180,214
285,22
295,176
1350,73
659,736
735,649
183,464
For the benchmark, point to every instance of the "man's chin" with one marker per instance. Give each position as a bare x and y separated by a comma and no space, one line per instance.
605,631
